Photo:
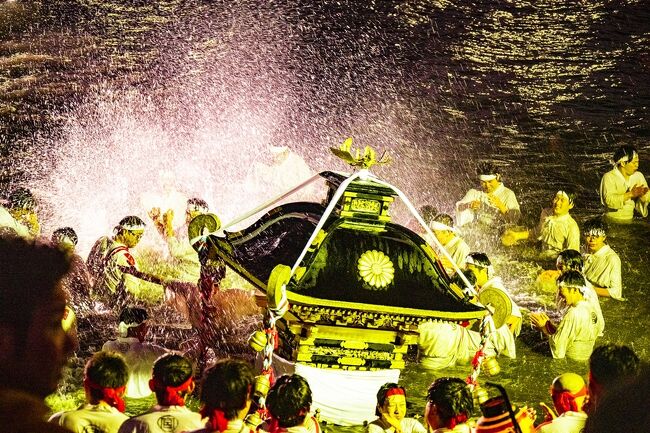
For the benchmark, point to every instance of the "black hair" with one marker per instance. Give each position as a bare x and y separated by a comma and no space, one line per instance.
451,396
131,315
172,369
625,150
610,364
480,259
22,197
64,232
487,168
29,276
594,224
289,400
381,394
227,385
571,260
571,278
195,201
108,370
624,408
131,220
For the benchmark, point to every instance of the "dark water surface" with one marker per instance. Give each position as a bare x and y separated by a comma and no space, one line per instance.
98,97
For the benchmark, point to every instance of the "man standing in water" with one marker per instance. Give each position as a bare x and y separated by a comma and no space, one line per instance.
602,265
34,345
494,205
117,280
576,334
623,189
556,231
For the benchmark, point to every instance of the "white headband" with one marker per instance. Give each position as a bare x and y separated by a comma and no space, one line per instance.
623,159
435,225
565,195
469,260
596,231
487,177
581,289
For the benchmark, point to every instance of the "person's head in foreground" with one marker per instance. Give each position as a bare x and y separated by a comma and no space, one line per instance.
172,379
479,264
34,344
626,159
609,365
569,260
289,401
105,378
568,392
624,408
449,403
489,176
226,392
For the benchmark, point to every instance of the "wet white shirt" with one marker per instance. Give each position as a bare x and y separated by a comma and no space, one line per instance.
234,426
568,422
99,417
139,359
163,419
576,334
557,233
444,344
487,213
613,187
603,269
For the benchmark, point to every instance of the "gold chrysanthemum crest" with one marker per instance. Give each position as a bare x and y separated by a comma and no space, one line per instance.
376,269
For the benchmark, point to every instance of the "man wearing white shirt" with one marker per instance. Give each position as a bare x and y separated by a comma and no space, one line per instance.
576,334
602,264
442,226
624,189
556,231
172,381
493,205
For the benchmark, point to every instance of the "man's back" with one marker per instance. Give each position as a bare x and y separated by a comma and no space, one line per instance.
96,418
163,419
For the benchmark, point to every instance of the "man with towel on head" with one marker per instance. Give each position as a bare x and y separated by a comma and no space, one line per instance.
624,189
117,279
442,226
493,205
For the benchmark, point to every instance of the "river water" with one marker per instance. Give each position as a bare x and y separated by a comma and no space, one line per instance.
107,106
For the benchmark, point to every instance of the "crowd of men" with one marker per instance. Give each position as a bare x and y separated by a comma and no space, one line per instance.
44,285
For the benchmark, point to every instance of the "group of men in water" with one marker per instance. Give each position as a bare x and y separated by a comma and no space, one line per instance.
111,274
35,347
578,280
